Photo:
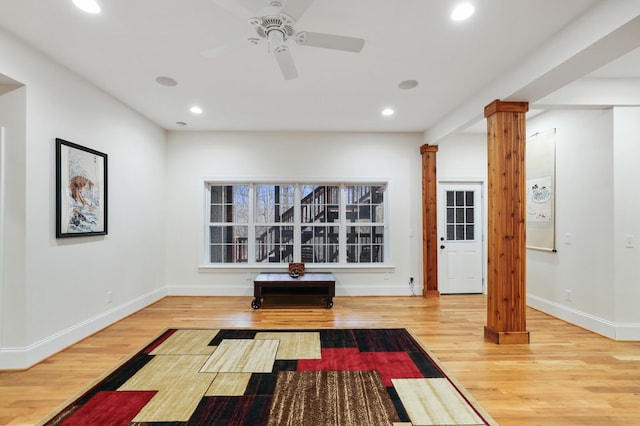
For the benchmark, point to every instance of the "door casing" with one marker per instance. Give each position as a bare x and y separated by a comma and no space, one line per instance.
444,256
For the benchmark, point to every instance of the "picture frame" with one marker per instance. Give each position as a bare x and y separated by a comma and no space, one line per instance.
81,191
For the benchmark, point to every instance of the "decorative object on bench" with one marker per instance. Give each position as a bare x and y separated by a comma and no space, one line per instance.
296,269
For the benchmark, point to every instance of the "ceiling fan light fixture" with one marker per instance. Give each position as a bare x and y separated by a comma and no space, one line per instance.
462,12
89,6
275,39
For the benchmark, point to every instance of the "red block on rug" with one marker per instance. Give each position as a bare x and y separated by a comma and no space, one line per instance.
390,365
110,408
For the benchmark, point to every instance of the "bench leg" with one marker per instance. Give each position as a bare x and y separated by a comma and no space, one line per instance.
256,303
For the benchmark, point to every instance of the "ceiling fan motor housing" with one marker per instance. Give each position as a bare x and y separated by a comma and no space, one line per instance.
274,22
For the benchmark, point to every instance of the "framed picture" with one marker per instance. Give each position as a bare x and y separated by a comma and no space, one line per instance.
81,191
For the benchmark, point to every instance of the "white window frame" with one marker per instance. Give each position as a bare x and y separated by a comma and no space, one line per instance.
342,224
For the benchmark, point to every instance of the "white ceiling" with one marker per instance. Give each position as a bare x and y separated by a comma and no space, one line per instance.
132,42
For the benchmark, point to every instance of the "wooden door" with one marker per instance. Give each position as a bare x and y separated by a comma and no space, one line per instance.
460,253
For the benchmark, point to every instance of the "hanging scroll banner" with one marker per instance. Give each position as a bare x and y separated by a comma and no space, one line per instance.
540,187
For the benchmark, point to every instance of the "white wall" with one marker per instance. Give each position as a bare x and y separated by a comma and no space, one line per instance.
462,156
322,157
626,156
13,232
584,209
64,282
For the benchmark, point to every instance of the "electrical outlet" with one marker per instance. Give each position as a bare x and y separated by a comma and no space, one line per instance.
109,296
410,280
629,241
568,296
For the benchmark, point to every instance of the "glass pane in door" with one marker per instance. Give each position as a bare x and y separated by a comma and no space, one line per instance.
460,218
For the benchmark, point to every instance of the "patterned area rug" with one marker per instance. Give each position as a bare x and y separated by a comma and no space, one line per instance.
277,377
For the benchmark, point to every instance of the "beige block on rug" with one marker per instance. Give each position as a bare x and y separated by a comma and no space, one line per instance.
295,345
242,356
434,402
187,342
229,384
179,384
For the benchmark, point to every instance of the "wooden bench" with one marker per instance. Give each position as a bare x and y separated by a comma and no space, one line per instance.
282,284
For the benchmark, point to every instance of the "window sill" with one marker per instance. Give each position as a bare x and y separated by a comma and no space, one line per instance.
356,267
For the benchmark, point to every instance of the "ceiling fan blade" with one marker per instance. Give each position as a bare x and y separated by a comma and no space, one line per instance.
296,8
285,61
235,7
330,41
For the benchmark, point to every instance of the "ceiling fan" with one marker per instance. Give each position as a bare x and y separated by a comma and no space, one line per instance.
275,24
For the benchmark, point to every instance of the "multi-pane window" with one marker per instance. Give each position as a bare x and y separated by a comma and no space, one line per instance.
228,223
282,223
460,219
320,217
274,218
365,223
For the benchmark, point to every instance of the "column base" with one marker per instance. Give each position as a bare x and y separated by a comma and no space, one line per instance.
506,337
431,293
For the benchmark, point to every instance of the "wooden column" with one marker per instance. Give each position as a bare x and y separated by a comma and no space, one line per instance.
506,285
429,222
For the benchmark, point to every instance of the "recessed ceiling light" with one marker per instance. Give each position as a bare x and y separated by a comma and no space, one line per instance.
196,110
89,6
408,84
166,81
388,111
462,11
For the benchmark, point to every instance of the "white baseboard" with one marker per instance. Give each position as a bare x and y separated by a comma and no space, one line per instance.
612,330
378,290
247,290
23,358
207,290
627,331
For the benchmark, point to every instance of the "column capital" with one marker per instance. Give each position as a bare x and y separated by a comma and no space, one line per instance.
428,148
501,106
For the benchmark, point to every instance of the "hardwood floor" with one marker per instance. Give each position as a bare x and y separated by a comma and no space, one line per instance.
565,376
